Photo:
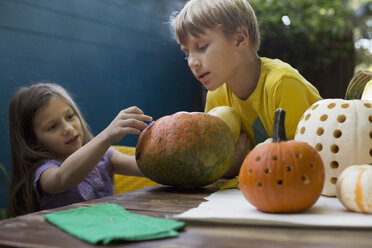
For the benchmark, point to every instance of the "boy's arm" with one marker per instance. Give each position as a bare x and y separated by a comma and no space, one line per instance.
243,146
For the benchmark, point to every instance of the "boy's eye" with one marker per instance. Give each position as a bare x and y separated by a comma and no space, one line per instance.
69,117
203,47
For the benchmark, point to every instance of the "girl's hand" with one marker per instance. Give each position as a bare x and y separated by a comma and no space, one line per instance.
128,121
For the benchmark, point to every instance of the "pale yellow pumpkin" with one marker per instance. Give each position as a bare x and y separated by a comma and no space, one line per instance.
230,117
354,188
341,131
367,93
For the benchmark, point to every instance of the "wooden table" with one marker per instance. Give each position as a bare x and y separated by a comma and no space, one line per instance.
160,201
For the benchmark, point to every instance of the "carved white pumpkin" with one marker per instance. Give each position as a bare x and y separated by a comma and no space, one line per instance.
341,131
354,188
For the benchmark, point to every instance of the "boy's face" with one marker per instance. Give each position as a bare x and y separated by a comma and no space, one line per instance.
212,57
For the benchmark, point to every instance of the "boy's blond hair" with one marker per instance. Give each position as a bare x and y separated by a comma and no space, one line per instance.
199,15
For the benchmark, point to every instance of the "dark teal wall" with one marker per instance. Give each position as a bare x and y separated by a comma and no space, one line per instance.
110,54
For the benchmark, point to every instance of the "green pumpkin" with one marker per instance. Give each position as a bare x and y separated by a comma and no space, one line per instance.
187,150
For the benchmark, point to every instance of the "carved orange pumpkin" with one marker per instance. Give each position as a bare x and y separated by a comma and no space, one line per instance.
282,176
186,150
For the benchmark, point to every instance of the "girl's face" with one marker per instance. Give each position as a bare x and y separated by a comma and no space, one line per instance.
212,57
58,128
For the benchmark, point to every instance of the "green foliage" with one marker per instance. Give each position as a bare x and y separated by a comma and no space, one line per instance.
4,177
363,33
4,214
319,33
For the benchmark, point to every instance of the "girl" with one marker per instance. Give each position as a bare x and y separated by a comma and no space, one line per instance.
55,159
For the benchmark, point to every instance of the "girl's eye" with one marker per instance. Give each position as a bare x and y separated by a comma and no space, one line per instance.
69,117
51,128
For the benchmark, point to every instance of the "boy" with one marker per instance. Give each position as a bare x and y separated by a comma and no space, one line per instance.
220,39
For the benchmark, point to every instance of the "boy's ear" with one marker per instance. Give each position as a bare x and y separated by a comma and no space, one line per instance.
241,37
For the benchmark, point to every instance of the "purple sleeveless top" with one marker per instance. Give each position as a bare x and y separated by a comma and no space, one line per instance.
99,183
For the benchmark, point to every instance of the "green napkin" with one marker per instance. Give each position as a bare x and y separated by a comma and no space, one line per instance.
108,223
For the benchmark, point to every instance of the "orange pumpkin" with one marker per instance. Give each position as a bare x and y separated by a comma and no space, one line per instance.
282,176
187,150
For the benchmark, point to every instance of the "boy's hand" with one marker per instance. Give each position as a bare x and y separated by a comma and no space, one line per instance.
243,146
128,121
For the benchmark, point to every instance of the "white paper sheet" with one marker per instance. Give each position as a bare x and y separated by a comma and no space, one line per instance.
230,206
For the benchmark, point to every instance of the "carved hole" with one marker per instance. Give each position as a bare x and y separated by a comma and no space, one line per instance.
267,170
319,147
334,165
370,152
315,106
250,171
307,117
259,184
324,117
334,148
341,118
258,158
367,105
333,180
312,165
370,134
331,105
288,168
298,155
279,182
305,179
370,118
337,133
320,131
275,158
302,131
345,105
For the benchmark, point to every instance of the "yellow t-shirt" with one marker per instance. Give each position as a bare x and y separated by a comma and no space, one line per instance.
279,86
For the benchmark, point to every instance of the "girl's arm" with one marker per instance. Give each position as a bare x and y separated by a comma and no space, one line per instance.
79,164
125,164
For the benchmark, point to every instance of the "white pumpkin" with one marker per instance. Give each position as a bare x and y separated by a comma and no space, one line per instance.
354,188
341,131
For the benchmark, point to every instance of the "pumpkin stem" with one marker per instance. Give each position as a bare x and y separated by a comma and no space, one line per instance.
279,128
357,84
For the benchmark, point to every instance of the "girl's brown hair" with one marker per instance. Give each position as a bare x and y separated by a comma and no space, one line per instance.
199,15
25,149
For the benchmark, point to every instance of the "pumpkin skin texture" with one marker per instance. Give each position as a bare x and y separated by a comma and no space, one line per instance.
341,131
186,150
283,176
354,188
